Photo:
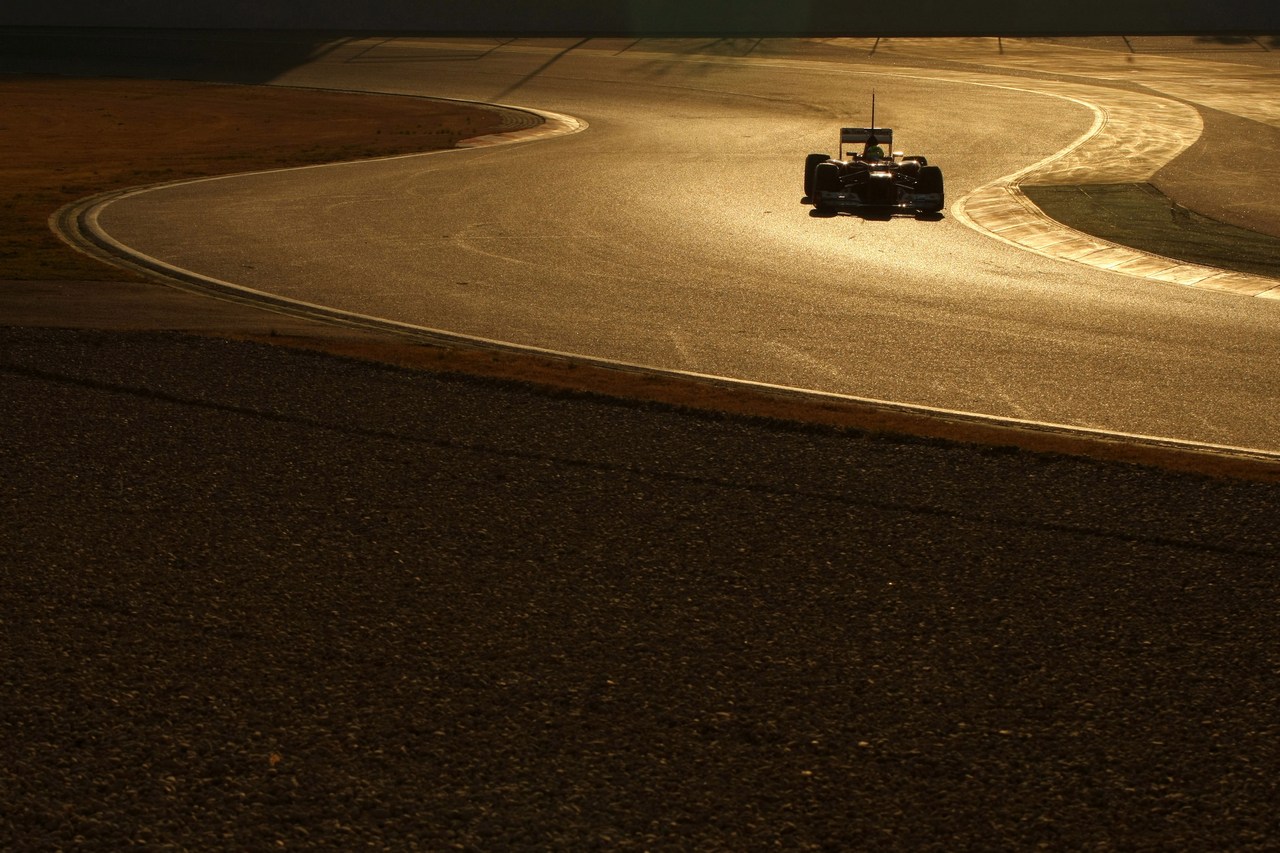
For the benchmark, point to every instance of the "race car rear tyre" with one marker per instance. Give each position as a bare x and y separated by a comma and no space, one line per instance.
810,163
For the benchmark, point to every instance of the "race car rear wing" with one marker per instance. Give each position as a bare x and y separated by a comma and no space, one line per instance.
860,135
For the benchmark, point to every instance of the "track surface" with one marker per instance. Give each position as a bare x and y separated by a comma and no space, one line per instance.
671,233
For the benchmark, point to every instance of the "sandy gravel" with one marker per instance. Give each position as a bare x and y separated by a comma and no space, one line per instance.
255,596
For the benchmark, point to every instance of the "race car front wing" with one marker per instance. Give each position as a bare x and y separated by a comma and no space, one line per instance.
921,202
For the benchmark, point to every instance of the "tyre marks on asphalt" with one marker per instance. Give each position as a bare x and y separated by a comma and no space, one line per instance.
1220,81
1134,136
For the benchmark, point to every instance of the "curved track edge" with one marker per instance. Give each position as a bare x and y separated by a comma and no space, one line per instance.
78,225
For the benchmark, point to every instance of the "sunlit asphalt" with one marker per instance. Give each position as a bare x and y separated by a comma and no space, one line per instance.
672,234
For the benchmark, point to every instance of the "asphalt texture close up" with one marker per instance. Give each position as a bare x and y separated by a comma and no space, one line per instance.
258,598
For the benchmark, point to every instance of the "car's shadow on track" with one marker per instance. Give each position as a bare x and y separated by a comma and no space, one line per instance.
872,214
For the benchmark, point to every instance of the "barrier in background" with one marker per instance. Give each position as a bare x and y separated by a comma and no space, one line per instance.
671,17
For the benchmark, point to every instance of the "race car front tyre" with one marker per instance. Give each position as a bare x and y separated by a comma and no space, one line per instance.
826,177
930,180
930,183
810,163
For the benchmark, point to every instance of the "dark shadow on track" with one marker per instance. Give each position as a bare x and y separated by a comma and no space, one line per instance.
207,55
375,54
501,96
873,214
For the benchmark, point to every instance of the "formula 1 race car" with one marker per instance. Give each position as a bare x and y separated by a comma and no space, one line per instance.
871,178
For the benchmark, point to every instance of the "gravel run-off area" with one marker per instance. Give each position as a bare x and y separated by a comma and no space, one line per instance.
255,597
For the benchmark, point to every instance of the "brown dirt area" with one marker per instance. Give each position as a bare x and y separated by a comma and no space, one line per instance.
63,139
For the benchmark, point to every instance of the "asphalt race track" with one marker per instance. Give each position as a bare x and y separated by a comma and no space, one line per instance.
671,233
